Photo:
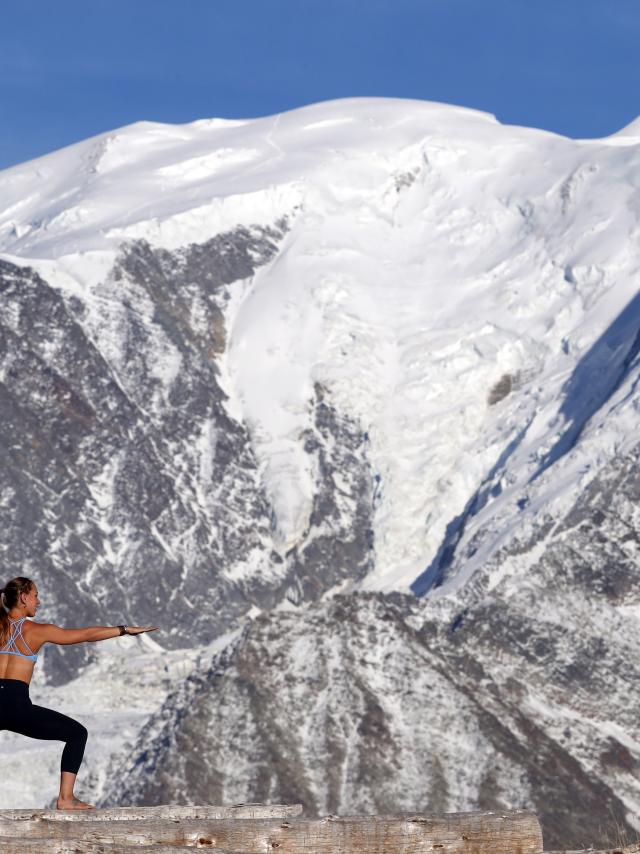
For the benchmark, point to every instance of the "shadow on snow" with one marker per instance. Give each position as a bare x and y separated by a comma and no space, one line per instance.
595,379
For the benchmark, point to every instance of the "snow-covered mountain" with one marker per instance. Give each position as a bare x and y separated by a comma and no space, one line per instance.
365,346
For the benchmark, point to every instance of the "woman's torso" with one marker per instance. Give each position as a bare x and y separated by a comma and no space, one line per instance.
14,666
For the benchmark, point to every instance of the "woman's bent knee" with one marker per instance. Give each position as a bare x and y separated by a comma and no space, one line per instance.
74,749
75,731
80,734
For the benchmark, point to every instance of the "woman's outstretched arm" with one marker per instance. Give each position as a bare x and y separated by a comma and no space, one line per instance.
42,633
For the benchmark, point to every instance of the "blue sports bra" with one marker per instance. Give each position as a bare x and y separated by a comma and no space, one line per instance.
11,648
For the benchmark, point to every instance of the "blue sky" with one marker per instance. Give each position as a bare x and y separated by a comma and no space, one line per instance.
71,69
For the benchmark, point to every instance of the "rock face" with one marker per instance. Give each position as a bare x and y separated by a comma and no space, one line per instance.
128,489
519,693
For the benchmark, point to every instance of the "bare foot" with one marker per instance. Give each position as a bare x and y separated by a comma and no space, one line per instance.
73,804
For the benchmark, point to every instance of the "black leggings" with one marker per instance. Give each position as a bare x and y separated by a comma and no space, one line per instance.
18,714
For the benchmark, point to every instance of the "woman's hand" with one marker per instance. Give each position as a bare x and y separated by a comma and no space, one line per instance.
137,630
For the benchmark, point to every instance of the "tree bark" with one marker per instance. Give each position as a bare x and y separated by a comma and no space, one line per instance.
504,832
168,812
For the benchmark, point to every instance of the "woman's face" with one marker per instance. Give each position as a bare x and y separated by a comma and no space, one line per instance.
31,601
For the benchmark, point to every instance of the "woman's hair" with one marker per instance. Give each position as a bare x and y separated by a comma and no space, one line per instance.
9,598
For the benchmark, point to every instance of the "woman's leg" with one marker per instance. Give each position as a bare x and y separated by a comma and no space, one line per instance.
38,722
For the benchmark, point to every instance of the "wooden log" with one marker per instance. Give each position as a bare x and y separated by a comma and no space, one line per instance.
169,812
504,832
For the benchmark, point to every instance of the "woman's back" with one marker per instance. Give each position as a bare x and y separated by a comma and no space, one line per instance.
17,658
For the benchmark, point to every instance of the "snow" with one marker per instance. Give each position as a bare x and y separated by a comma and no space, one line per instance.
431,252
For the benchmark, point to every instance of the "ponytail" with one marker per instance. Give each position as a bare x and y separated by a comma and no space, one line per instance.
4,620
9,598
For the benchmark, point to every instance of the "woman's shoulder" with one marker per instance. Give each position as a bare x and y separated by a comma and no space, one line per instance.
34,627
36,634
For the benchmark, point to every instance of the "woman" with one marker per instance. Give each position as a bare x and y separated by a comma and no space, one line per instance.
20,642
